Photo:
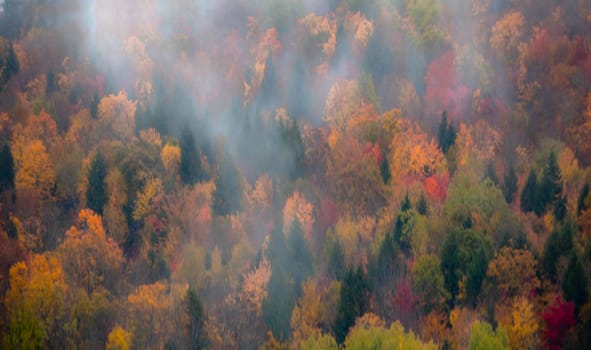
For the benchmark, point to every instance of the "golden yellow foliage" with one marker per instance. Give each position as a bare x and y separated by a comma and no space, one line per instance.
514,272
34,169
151,137
148,199
89,258
343,101
507,34
307,313
523,327
119,339
171,158
254,289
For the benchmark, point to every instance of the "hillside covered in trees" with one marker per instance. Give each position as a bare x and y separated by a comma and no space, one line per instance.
295,174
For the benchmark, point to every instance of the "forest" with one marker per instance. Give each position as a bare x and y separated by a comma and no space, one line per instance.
295,174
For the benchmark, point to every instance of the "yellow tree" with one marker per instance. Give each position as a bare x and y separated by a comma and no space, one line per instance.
171,158
34,303
156,314
298,208
523,326
514,272
89,257
119,339
34,169
307,314
507,34
117,115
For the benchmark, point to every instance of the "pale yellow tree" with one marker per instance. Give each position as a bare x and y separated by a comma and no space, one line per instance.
117,115
507,34
119,339
171,158
298,208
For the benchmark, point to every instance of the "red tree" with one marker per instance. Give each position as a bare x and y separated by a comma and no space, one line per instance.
559,319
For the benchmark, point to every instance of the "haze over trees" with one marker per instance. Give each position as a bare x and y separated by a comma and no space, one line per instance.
295,174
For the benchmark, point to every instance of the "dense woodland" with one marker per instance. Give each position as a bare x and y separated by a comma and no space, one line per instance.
295,174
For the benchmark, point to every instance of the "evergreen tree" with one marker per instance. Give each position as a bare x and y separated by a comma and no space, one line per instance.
529,194
446,136
190,166
96,195
12,66
388,259
195,321
6,169
558,244
550,190
491,174
353,302
405,204
278,305
336,260
269,85
559,209
581,206
574,285
227,196
300,266
510,186
422,207
385,170
342,46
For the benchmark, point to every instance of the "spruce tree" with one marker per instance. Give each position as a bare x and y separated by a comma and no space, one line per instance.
529,193
353,302
446,136
6,169
581,205
422,207
510,185
385,170
190,165
336,260
96,195
300,266
227,196
491,174
550,189
574,285
195,321
12,65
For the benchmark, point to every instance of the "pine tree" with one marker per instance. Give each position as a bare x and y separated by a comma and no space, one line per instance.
385,170
300,266
510,186
227,196
353,302
336,261
558,244
581,205
6,169
491,174
574,285
529,193
422,207
551,186
190,165
446,136
269,86
195,321
96,195
12,65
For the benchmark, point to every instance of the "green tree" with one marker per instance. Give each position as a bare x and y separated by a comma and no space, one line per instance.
269,85
510,184
385,170
6,169
558,244
380,338
300,266
464,256
190,166
96,194
353,302
12,66
581,205
336,260
429,283
422,207
483,337
574,285
195,321
227,196
446,136
529,200
551,185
